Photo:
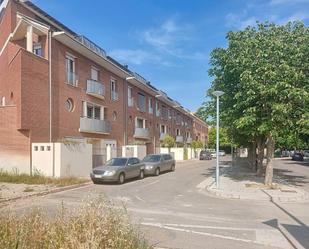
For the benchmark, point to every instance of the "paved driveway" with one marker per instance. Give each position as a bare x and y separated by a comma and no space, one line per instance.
174,212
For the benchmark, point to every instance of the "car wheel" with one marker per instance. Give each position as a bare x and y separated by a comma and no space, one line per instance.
157,171
95,182
141,174
173,167
121,178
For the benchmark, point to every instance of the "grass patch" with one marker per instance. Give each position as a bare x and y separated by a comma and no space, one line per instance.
94,225
36,178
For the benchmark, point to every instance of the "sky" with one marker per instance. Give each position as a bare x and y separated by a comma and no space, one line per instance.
169,42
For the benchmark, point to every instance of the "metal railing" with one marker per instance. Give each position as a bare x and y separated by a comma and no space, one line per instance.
95,88
163,135
141,132
94,125
179,139
91,45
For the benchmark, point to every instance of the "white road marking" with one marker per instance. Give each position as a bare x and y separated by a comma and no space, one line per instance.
145,185
203,226
139,198
203,184
199,233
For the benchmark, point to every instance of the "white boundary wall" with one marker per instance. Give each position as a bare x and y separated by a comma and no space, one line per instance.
138,151
62,160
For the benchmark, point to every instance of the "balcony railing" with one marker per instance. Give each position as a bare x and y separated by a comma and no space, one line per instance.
95,88
141,133
189,140
91,45
114,95
94,125
179,139
71,78
162,136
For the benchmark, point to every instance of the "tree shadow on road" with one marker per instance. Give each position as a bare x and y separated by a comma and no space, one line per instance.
242,172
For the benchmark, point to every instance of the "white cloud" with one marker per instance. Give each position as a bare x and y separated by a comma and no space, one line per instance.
285,2
298,16
239,22
139,56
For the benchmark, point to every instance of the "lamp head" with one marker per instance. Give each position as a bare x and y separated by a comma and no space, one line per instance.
217,93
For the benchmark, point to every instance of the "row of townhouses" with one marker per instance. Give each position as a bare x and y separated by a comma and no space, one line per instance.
56,84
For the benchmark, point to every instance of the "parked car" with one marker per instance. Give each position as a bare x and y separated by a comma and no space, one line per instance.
306,153
205,155
298,156
221,153
157,163
118,170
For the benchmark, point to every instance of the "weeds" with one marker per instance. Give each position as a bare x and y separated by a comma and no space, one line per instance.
93,225
37,178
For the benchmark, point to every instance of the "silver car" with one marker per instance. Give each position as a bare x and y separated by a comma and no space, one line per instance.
156,163
118,170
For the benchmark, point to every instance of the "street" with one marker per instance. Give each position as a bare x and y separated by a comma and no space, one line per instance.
174,211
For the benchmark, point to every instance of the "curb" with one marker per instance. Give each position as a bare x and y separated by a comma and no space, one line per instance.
52,191
302,197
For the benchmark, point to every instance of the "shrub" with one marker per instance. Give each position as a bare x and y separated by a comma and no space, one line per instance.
95,224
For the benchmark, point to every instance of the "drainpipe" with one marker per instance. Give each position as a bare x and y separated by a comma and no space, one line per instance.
50,97
125,105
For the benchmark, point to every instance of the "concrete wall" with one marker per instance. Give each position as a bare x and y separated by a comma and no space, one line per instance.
62,160
138,151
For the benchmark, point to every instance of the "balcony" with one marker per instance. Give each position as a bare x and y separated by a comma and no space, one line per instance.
71,78
114,95
141,133
94,125
95,89
179,139
189,140
162,136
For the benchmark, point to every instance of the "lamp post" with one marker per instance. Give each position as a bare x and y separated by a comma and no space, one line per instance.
217,94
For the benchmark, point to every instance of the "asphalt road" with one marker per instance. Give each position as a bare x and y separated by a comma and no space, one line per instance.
173,210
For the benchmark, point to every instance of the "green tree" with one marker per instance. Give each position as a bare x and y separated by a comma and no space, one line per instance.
169,142
264,73
224,139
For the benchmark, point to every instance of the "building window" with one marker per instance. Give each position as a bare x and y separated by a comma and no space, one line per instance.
42,148
94,74
3,101
69,105
163,129
36,148
92,111
130,97
140,123
70,71
177,132
97,112
141,102
150,105
164,112
157,109
114,93
114,115
37,49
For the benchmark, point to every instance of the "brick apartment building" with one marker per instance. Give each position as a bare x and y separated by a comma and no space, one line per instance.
57,85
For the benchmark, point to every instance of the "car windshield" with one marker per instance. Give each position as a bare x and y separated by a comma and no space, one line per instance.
152,158
117,162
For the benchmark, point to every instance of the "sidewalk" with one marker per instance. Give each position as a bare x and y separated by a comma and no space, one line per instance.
239,182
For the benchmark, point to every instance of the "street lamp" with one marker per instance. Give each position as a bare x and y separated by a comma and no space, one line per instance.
217,94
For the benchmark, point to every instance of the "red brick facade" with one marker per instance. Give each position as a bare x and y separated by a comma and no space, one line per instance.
28,114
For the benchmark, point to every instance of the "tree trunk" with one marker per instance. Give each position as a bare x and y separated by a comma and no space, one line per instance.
253,157
270,155
260,147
